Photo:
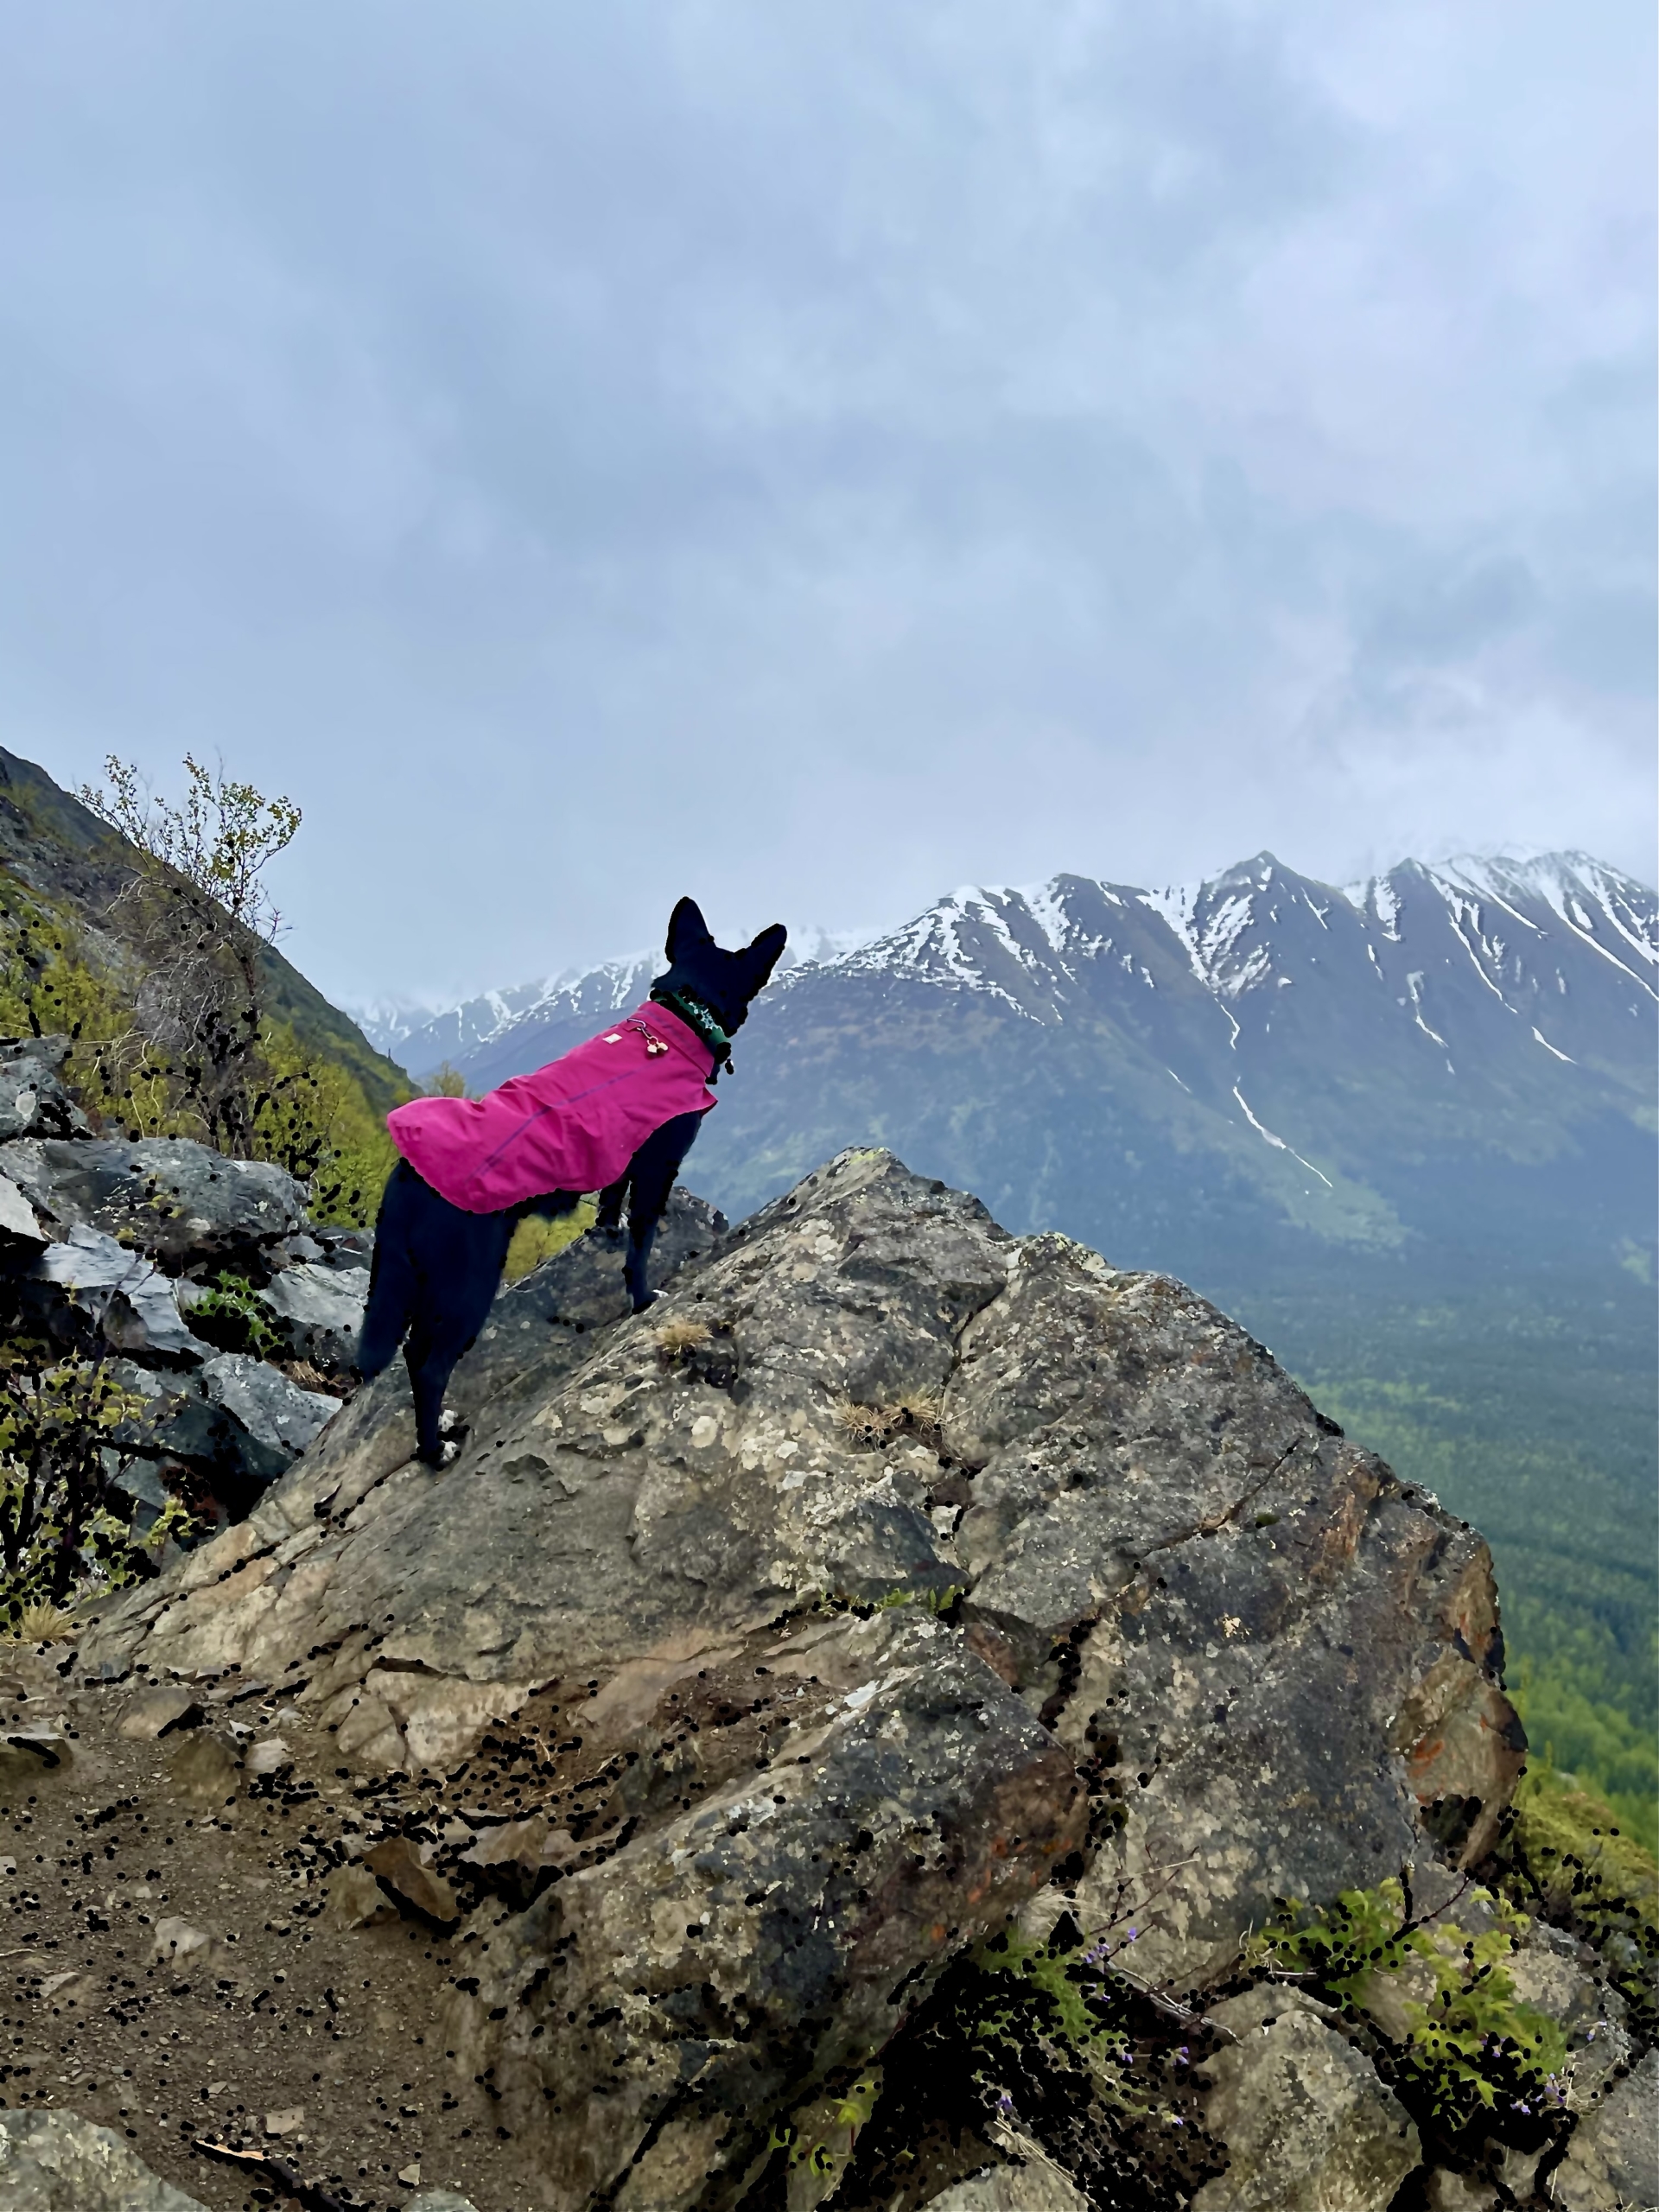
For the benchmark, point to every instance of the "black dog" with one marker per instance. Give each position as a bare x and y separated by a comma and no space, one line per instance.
437,1267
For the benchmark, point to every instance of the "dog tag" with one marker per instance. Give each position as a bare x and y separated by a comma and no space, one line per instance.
615,1038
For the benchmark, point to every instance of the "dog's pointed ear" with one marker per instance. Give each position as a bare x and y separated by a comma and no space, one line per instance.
687,930
762,957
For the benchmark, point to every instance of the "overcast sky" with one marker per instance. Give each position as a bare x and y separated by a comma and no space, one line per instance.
817,455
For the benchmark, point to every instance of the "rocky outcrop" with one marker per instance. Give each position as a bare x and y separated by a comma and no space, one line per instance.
122,1247
172,1201
892,1577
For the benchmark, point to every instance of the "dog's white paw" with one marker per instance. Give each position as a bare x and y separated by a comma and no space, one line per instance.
451,1424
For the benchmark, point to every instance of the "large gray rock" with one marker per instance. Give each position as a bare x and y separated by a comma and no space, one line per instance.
1307,2124
33,1100
54,2162
1209,1652
319,1310
273,1410
173,1200
1272,1658
133,1305
1612,2161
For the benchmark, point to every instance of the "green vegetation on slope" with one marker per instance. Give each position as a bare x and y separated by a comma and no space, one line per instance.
1535,1422
75,947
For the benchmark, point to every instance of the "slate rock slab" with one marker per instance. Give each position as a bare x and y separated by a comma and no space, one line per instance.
54,2162
134,1305
176,1201
319,1310
891,1576
273,1409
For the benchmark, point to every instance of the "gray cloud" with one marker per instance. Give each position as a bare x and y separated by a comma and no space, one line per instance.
815,456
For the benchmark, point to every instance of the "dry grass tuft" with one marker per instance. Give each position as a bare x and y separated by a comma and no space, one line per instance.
676,1339
871,1426
309,1377
41,1622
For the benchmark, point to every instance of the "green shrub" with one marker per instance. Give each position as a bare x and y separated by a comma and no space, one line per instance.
58,1527
1474,2059
536,1240
233,1315
1051,2039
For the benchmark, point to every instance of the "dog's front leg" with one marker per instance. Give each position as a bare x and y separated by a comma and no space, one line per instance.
640,1294
650,1178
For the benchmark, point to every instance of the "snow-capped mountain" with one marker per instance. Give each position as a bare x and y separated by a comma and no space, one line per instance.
1169,1071
497,1026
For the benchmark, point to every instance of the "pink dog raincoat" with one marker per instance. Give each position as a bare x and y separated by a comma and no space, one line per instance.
572,1126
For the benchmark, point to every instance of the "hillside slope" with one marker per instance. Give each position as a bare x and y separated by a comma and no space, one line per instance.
72,864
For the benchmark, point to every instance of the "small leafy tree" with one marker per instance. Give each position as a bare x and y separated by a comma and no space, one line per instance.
56,1522
199,915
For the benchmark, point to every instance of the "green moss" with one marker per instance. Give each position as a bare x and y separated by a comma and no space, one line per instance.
1566,1856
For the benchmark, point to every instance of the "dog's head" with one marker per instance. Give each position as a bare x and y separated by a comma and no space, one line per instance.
723,981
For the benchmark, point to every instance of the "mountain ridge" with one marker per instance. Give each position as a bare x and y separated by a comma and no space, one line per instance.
1332,1047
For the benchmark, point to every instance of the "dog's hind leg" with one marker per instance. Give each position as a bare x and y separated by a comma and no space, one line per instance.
441,1338
458,1257
394,1284
650,1177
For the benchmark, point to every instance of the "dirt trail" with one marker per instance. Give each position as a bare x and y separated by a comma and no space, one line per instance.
116,1864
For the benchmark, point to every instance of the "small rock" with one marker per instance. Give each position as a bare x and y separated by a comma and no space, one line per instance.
289,2121
440,2200
157,1713
410,2175
33,1100
17,1216
269,1757
1306,2122
357,1900
274,1411
1029,2184
28,1753
175,1938
205,1766
320,1311
54,1982
398,1864
529,1844
1445,2191
217,2088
